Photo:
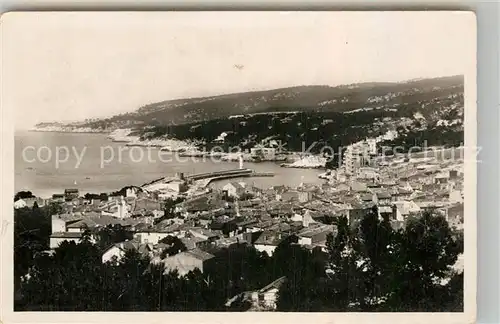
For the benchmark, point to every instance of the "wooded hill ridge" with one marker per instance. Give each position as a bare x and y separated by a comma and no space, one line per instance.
315,98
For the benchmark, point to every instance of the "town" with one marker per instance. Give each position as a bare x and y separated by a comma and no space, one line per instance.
186,209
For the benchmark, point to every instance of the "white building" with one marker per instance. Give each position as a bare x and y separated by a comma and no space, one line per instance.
403,209
117,208
221,138
20,204
267,297
359,154
235,189
264,153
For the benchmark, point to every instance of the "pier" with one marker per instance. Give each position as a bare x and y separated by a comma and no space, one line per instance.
201,180
206,181
220,174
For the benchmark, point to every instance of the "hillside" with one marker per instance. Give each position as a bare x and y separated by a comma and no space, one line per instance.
341,99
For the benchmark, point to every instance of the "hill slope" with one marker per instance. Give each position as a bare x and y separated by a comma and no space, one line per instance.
302,99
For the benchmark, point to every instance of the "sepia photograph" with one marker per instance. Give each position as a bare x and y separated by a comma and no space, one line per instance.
309,162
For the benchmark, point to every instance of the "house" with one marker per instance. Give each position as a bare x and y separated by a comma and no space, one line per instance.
70,194
261,300
356,213
397,225
401,194
221,137
20,203
177,185
402,209
78,222
314,234
95,202
441,178
58,198
288,196
92,221
57,238
204,234
307,218
304,196
224,224
194,242
145,206
368,197
260,152
342,187
201,203
383,198
268,241
227,242
385,212
29,202
61,221
368,173
154,234
246,224
118,250
455,214
251,237
266,297
357,186
453,174
187,261
116,207
234,189
455,196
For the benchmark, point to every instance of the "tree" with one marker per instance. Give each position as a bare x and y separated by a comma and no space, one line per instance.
346,269
304,273
112,234
175,246
23,195
427,249
371,267
68,280
32,229
169,209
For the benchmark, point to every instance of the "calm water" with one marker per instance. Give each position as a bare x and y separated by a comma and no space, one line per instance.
38,171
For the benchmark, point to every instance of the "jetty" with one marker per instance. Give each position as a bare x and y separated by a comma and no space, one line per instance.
202,180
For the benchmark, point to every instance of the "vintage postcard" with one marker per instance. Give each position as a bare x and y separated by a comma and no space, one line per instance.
210,167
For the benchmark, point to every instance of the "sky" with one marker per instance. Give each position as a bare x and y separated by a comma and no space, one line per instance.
72,66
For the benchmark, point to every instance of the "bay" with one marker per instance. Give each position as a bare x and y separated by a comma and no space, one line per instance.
93,163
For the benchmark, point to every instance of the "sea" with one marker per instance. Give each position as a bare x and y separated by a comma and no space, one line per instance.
49,162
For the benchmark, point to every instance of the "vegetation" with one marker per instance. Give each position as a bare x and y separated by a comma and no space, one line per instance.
311,130
169,209
23,195
300,99
112,234
374,268
418,140
370,267
175,246
101,196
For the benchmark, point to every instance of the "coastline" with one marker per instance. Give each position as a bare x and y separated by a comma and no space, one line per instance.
67,131
190,149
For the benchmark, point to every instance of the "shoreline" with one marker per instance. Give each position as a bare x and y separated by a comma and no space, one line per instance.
67,131
186,149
